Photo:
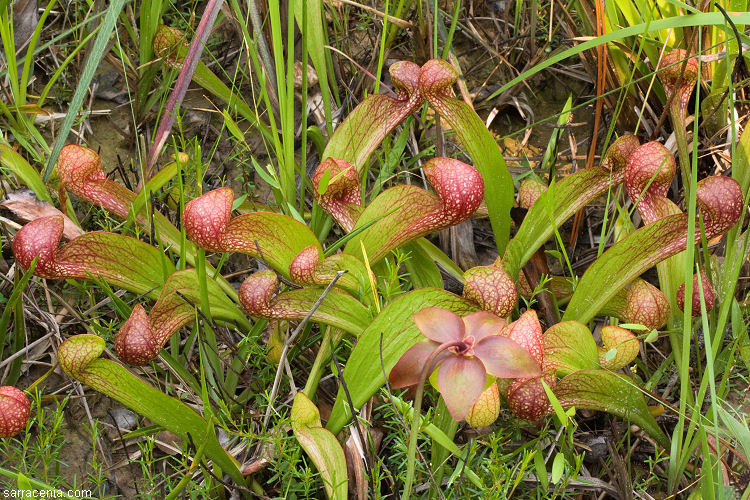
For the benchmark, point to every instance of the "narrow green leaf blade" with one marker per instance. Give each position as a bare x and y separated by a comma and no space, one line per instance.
96,54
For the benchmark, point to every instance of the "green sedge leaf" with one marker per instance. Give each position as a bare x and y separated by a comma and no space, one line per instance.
541,469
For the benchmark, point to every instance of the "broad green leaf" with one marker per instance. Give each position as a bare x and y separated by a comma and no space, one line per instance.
322,446
558,467
541,469
363,374
275,238
308,270
611,392
422,269
79,358
569,346
120,260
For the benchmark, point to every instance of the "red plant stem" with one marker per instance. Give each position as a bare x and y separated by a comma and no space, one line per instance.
183,80
412,450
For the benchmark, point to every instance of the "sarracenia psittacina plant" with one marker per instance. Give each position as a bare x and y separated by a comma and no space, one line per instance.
708,295
14,411
464,351
79,358
563,199
719,202
406,212
120,260
648,176
259,297
285,244
81,173
567,349
378,115
143,335
208,222
678,86
458,193
492,289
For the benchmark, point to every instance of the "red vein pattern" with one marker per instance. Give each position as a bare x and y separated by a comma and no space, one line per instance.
459,189
143,335
341,198
491,288
106,255
641,303
208,222
708,295
648,174
376,117
308,269
259,297
81,173
670,68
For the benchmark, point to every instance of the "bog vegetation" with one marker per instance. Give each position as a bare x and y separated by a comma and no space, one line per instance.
348,249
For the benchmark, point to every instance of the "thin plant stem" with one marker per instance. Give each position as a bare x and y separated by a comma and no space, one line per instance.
416,418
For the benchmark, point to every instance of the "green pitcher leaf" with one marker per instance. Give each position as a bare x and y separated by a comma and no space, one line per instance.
436,79
119,260
259,298
277,238
421,268
79,358
142,336
375,118
611,392
720,202
413,212
308,269
322,446
569,346
81,173
563,199
363,373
